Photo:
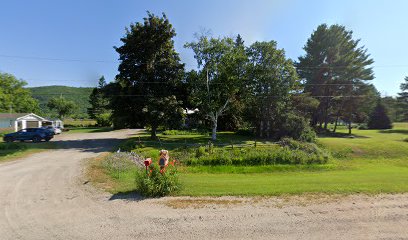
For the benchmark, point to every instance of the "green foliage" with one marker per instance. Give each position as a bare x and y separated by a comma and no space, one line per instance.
255,157
184,132
79,95
379,118
403,100
61,106
13,95
150,76
158,183
333,67
99,109
104,119
219,80
296,127
269,89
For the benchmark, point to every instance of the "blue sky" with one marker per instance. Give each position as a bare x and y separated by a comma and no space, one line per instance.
59,31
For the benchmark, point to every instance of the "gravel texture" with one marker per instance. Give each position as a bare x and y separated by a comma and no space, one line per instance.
45,196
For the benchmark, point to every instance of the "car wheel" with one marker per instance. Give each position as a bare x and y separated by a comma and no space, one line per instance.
36,139
47,139
9,139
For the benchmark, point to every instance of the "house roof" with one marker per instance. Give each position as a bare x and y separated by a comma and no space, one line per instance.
20,116
12,115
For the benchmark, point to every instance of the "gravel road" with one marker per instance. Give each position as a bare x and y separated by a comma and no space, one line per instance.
45,196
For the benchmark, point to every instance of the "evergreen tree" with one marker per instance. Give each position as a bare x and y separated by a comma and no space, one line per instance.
333,69
379,118
403,100
150,75
99,103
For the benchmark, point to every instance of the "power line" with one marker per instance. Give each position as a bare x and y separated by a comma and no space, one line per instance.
55,59
109,61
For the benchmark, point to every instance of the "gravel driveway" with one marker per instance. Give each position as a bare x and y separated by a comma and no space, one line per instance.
45,196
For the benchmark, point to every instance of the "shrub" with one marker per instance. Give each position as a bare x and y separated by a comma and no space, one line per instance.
363,126
103,119
158,183
288,154
200,152
296,127
185,132
405,140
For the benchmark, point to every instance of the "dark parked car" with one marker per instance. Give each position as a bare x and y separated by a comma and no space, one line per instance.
34,134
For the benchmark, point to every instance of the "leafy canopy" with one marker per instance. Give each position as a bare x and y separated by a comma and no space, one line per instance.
14,97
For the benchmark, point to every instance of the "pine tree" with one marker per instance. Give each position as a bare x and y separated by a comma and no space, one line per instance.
379,118
333,68
150,73
403,99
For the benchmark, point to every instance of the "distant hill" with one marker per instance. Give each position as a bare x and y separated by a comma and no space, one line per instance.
80,95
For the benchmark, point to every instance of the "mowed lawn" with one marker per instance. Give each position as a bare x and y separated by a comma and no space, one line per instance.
372,162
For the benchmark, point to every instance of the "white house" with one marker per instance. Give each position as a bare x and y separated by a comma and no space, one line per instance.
26,120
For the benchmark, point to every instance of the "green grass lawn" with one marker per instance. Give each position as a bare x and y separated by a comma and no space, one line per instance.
372,161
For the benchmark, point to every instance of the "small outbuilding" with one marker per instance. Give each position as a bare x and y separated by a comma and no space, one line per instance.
19,121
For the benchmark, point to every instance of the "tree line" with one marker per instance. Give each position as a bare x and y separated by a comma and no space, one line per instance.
235,86
238,86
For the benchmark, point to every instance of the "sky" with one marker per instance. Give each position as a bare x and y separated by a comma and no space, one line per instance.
48,42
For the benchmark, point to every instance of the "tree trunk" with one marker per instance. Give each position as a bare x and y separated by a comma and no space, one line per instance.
349,127
214,130
153,133
335,123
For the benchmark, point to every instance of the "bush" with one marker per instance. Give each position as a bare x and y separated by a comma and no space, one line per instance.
296,127
200,152
103,120
287,154
185,132
158,183
363,126
405,140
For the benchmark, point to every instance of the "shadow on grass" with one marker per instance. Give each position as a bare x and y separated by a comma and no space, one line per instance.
172,142
129,196
339,135
400,131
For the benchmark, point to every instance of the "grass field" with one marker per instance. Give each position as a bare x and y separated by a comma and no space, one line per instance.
372,161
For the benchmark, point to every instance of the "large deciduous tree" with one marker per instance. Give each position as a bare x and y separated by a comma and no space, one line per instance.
333,69
215,87
61,106
14,97
150,75
272,80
